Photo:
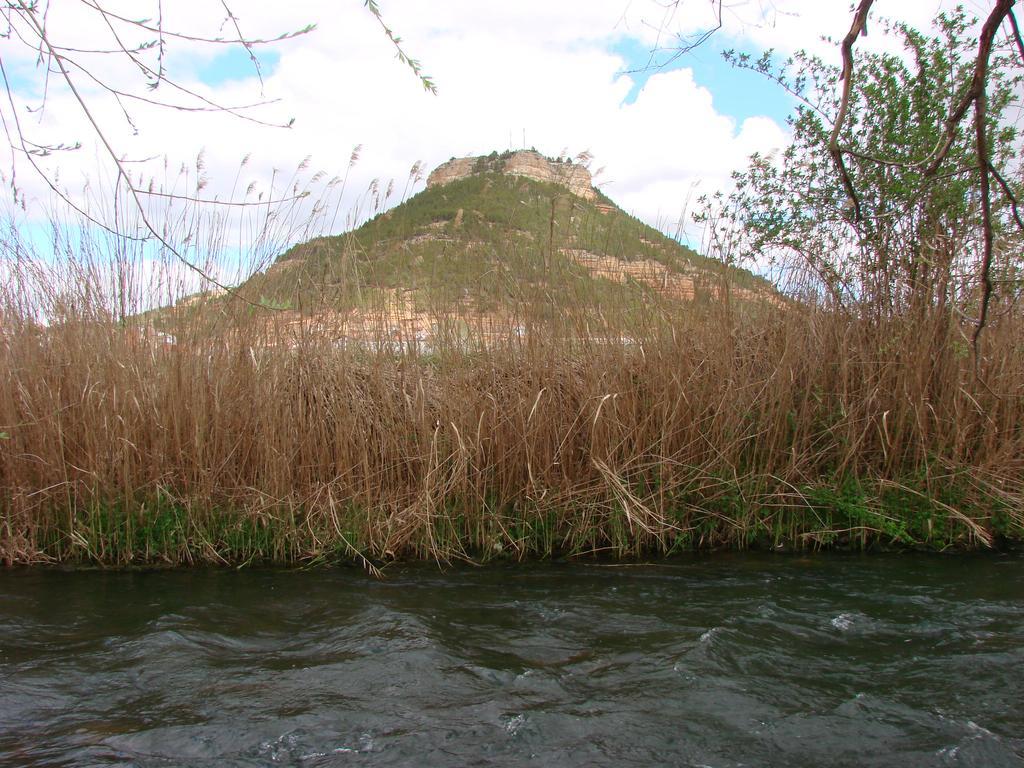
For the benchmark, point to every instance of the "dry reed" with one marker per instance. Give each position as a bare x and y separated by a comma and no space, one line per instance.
251,438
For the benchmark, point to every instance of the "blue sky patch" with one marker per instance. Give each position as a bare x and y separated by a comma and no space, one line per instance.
26,79
233,63
736,92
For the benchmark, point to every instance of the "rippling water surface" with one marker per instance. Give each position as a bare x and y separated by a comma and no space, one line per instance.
720,661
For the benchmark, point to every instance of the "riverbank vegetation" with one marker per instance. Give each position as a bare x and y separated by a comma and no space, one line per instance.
868,406
772,426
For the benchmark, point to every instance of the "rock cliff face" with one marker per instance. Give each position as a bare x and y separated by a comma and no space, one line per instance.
526,162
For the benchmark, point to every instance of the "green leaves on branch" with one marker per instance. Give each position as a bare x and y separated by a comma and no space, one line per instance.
916,241
414,64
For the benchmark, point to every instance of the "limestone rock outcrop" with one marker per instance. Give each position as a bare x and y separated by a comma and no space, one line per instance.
525,162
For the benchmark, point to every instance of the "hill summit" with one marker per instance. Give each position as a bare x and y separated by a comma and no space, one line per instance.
525,162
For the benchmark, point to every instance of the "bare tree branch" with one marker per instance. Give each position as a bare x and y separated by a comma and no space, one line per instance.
70,65
206,105
245,43
94,4
122,173
978,82
976,88
19,136
858,27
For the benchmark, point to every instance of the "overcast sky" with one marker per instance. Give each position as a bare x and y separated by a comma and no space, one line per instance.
555,74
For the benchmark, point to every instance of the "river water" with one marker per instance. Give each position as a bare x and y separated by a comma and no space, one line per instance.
723,660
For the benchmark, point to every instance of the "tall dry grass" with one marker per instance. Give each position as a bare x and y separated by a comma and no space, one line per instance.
253,438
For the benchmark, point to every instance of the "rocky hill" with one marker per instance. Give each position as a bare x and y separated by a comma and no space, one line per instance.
489,236
527,162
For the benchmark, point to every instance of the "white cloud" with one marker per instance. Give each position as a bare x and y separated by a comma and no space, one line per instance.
540,68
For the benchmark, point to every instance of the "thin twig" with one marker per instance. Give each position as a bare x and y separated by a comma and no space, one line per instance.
245,43
196,38
428,84
30,156
1016,34
133,191
681,50
1009,194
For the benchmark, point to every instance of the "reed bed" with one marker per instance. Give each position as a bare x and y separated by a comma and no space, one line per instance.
224,432
780,426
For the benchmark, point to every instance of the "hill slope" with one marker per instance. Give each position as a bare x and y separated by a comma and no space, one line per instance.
487,241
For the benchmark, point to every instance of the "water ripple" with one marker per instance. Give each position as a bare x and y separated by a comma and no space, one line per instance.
733,660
